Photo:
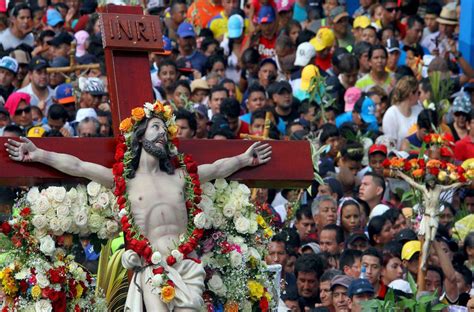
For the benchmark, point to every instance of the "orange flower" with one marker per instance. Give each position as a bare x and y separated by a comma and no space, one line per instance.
397,162
138,113
433,163
418,173
126,125
167,294
173,130
231,306
414,163
158,107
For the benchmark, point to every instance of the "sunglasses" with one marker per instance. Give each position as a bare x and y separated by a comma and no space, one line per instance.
392,9
25,110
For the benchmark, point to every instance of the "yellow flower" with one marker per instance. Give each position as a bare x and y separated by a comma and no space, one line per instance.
231,306
172,129
36,292
268,295
138,113
158,107
167,294
442,175
268,232
126,125
453,176
261,221
79,291
168,111
256,289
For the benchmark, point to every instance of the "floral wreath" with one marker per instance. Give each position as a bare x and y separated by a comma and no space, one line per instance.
136,241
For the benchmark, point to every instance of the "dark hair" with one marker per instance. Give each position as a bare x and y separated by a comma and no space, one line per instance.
465,273
175,3
329,274
136,148
426,119
378,180
349,257
212,60
230,107
15,129
328,131
361,48
391,250
180,83
337,56
304,211
57,111
108,115
21,6
290,293
375,226
304,36
61,5
348,63
438,270
167,62
468,242
377,47
91,22
45,33
310,263
336,228
374,252
392,214
250,56
255,87
218,88
403,71
353,151
220,126
411,20
426,85
348,202
258,114
291,23
187,115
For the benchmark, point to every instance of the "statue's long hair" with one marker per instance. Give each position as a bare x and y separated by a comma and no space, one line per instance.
136,148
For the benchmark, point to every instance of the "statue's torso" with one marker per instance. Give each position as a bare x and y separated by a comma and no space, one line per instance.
158,208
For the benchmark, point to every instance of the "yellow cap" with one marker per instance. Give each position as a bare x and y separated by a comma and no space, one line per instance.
308,72
410,248
324,39
361,21
36,132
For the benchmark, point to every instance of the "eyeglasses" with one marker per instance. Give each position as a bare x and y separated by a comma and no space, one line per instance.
25,110
391,10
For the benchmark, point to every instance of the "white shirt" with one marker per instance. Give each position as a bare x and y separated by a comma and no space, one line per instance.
35,100
10,41
396,125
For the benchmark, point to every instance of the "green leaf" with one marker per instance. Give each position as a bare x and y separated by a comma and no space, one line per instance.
439,307
411,281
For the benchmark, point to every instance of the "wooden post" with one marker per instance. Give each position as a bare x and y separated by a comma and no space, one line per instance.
420,278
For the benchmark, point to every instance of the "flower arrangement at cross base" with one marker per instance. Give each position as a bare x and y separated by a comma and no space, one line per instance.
234,248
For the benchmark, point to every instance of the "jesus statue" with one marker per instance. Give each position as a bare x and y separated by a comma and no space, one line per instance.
156,192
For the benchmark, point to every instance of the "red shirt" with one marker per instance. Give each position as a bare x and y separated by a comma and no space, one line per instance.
243,129
464,149
325,63
265,47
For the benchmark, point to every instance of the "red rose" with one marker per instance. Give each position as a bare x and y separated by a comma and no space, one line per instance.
170,282
421,163
185,248
427,139
57,276
25,212
446,152
407,166
175,142
158,270
140,246
120,151
386,163
6,228
462,178
460,170
175,162
23,286
170,260
117,169
198,233
77,308
191,166
121,200
53,295
194,177
16,241
197,199
147,253
119,186
197,191
59,305
187,158
263,304
120,139
434,171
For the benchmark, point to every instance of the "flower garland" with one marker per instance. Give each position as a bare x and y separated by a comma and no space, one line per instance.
135,240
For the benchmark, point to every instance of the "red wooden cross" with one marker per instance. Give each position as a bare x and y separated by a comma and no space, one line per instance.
128,36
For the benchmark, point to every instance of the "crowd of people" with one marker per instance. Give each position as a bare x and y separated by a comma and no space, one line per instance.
358,82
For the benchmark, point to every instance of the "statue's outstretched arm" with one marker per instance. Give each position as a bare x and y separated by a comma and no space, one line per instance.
412,182
454,186
26,151
257,154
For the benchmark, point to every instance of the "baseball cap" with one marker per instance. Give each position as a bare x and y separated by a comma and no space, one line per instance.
155,4
61,38
281,86
38,63
341,280
304,54
92,85
361,21
410,248
284,5
81,38
350,98
356,236
167,46
400,285
235,26
462,103
83,113
9,63
308,72
405,236
366,109
64,94
392,45
36,132
199,84
184,65
185,30
313,246
378,148
266,14
360,286
59,61
53,17
324,39
337,13
378,210
21,57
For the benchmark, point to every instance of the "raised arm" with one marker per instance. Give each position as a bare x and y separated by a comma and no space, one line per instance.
412,182
26,151
454,186
257,154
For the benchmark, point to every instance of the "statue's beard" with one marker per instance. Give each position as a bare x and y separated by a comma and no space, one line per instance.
157,151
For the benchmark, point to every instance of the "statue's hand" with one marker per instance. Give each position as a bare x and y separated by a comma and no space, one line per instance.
259,153
21,151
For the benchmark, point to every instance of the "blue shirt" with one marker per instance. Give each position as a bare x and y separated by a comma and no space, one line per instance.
347,117
198,61
300,13
403,55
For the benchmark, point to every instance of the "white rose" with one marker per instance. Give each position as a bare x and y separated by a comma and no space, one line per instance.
253,227
216,285
47,245
23,274
218,221
102,233
254,253
62,211
229,210
80,218
206,203
122,212
177,255
244,189
112,227
42,204
40,222
43,306
235,259
95,222
206,259
242,225
208,189
81,195
103,200
156,257
200,220
40,233
72,194
220,184
42,280
54,224
93,189
33,195
157,280
58,193
245,249
66,224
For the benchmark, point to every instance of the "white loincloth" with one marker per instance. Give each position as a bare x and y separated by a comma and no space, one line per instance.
188,277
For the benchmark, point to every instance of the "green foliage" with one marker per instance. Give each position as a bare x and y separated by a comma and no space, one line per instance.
441,91
318,94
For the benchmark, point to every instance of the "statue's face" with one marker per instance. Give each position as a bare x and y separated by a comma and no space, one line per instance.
156,132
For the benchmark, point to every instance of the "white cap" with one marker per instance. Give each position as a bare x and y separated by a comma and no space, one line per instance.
304,54
378,210
400,285
426,62
83,113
